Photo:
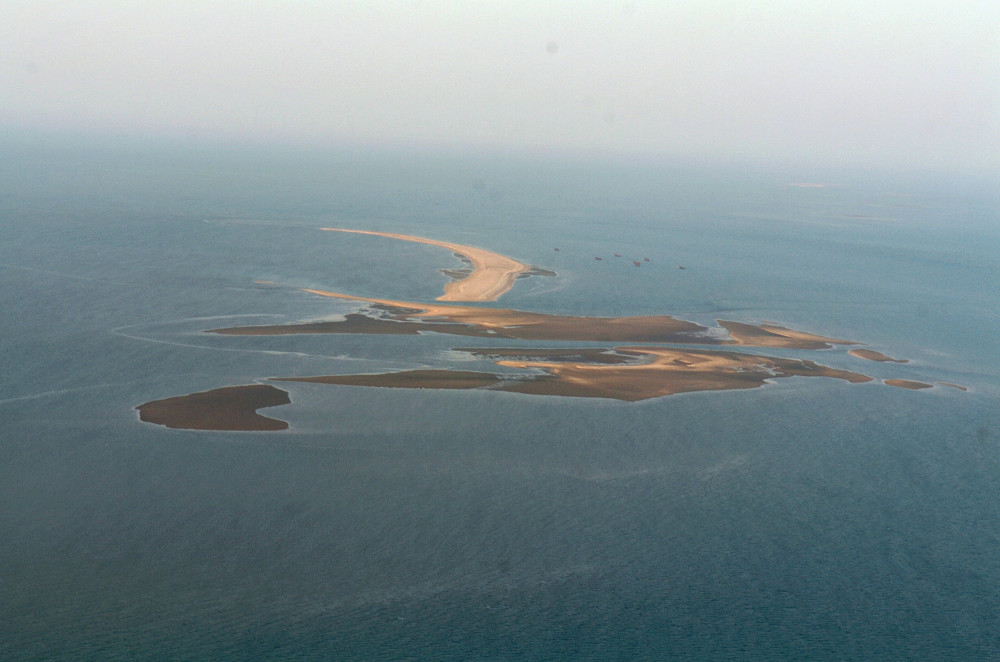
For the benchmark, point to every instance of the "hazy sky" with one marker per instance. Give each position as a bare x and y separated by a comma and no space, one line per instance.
866,82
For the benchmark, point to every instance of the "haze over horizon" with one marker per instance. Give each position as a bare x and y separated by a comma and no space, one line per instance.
844,84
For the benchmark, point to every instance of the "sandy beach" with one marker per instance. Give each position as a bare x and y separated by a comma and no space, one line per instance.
492,274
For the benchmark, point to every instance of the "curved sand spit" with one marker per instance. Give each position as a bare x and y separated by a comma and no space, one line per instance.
492,274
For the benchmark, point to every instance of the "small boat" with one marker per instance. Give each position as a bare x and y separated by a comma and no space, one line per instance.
597,258
636,262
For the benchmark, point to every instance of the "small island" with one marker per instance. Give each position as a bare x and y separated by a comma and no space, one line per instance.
624,373
229,408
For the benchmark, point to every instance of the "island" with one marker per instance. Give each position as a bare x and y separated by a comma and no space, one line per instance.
228,408
872,355
908,384
492,274
623,373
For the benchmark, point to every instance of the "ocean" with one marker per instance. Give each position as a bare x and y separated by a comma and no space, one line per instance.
806,519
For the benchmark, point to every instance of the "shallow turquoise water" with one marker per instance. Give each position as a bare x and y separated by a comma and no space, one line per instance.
807,519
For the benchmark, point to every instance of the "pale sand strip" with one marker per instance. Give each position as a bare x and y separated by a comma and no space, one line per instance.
492,274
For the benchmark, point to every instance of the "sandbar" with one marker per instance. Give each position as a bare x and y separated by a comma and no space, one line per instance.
407,318
229,408
906,383
960,388
658,372
492,274
772,335
872,355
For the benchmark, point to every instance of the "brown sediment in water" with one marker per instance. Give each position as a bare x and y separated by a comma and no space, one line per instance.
771,335
872,355
960,388
402,317
492,274
229,408
665,371
907,384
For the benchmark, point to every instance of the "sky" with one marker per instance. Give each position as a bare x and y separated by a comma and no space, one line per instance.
852,82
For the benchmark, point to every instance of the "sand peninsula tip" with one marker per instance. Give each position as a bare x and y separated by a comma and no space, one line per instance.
492,274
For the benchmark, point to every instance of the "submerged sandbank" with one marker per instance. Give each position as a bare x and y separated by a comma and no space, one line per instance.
492,274
230,408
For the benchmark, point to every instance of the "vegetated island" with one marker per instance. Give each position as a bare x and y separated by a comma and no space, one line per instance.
229,408
492,274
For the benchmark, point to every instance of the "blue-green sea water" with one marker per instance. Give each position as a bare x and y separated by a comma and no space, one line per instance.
807,519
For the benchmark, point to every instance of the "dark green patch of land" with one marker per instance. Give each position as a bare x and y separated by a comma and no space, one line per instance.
228,408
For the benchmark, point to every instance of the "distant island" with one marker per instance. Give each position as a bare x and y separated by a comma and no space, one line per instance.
628,373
